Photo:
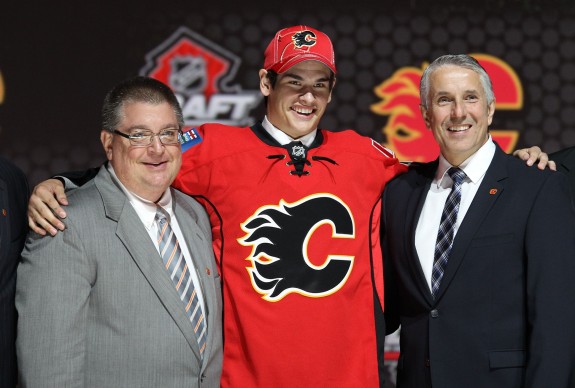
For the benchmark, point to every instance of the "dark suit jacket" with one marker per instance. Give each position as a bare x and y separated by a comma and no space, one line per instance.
504,315
565,160
13,228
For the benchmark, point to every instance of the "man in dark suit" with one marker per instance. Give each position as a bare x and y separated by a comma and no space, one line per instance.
483,287
565,161
14,194
125,298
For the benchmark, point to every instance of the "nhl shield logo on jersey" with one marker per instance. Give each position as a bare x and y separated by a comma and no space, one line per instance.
298,151
280,237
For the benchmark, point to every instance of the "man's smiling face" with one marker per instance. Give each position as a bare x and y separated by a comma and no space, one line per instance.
458,112
299,98
145,171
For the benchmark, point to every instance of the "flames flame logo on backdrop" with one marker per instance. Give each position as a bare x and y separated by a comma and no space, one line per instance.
405,129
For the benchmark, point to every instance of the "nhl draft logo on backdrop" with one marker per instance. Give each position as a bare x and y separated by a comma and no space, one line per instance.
200,73
284,258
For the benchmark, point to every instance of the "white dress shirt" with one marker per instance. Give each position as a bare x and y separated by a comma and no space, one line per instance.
146,210
475,168
282,138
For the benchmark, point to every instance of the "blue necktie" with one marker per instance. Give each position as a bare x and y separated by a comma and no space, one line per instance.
446,229
179,272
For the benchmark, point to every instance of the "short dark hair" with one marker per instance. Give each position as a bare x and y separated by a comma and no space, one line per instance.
137,89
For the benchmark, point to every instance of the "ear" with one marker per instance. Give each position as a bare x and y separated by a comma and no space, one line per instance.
425,116
490,112
106,138
331,91
265,85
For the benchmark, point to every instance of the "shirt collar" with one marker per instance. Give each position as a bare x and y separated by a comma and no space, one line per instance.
474,167
282,138
145,209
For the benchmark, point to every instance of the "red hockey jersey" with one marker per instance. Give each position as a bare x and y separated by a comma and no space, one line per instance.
298,253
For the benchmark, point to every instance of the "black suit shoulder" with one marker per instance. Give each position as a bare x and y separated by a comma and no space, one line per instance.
567,154
565,160
527,175
15,179
14,192
416,174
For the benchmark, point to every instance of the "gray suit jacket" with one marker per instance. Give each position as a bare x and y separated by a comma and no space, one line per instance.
97,308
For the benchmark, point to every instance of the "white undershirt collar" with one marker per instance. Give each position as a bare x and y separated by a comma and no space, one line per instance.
282,138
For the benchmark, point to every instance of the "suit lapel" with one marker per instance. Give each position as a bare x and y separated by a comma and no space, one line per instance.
489,191
415,206
138,244
201,253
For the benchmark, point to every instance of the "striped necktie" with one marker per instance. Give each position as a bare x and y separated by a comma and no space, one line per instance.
179,272
446,229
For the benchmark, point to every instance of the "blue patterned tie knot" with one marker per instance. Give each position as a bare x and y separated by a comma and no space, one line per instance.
446,228
457,175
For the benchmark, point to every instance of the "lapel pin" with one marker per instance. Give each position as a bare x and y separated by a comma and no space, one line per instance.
208,271
493,191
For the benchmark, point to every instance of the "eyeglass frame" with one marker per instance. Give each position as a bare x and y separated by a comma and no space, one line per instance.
130,137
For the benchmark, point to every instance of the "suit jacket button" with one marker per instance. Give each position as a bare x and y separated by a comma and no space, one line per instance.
434,313
427,363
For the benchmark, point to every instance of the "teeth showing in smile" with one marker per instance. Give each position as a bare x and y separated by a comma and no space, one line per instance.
458,128
303,111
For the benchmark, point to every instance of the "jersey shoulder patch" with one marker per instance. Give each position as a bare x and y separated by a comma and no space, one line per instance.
190,138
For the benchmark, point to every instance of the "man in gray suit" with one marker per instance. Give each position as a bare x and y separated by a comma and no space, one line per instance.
124,298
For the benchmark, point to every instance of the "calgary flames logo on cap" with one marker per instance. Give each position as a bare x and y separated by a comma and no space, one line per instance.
304,39
405,129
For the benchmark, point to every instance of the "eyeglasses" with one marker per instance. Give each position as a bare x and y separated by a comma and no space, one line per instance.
143,137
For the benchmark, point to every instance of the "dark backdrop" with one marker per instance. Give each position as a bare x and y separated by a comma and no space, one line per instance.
58,61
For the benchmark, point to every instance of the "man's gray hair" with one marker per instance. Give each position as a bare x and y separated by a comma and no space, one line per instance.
461,60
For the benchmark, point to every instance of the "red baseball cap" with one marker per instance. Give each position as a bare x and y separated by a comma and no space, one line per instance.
296,44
